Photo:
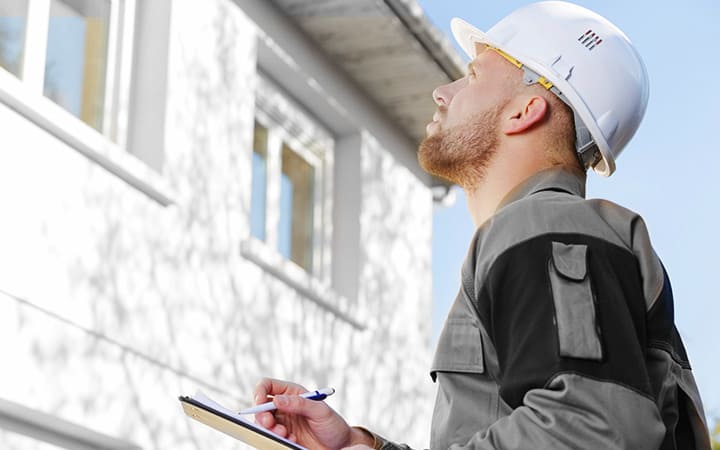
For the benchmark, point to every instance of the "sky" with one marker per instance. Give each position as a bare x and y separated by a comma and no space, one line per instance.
667,172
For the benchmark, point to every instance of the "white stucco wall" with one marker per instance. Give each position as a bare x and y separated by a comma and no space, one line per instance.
114,305
397,291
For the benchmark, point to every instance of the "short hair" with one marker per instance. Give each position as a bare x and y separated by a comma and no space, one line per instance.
560,118
561,139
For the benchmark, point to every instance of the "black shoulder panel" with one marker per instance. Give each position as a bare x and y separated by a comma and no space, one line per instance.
520,309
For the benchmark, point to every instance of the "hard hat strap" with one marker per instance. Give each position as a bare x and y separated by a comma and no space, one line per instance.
587,150
530,76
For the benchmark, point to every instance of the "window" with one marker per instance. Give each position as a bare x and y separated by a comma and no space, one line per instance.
289,206
259,182
76,57
295,233
13,19
66,66
71,51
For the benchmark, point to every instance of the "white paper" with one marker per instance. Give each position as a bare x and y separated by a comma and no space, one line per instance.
207,401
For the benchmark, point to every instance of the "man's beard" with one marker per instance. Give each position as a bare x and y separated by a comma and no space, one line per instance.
462,154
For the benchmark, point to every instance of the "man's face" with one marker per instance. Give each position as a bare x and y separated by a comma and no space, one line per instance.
464,132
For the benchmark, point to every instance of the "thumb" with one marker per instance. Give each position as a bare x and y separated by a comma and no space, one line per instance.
301,406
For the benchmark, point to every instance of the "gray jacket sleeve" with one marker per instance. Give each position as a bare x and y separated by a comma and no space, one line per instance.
574,330
565,315
574,412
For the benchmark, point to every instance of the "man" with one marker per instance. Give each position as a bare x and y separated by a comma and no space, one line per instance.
562,334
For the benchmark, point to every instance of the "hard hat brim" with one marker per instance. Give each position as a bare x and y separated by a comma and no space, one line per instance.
467,36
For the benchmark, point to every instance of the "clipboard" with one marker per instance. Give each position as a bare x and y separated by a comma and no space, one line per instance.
205,410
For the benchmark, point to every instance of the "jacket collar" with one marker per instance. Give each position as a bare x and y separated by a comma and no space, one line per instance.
555,179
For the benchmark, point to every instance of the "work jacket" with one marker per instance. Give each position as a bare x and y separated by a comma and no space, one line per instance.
562,334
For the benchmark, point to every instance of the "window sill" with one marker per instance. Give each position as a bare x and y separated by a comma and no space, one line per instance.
78,135
54,430
289,273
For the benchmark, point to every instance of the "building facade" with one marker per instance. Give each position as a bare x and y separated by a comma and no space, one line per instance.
199,194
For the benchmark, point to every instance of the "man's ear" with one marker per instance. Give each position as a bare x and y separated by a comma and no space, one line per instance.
528,115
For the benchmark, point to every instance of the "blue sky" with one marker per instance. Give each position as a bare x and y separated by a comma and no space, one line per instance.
667,173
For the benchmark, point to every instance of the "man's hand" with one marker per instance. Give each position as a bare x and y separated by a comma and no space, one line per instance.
312,424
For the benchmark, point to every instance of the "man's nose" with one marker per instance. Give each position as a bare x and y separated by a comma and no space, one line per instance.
443,95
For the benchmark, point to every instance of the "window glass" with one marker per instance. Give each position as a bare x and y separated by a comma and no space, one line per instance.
295,234
259,182
13,21
77,57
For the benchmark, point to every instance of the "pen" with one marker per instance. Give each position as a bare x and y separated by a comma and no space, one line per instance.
320,394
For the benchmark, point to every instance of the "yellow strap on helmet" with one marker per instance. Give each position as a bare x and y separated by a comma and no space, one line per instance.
542,81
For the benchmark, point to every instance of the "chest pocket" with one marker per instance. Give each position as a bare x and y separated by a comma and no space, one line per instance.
459,348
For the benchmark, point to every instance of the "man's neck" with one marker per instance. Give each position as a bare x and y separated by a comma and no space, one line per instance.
501,177
483,200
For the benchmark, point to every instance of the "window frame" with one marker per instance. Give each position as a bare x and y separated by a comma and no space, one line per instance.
119,59
107,147
288,123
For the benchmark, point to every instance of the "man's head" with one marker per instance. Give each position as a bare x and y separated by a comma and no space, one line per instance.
549,75
488,107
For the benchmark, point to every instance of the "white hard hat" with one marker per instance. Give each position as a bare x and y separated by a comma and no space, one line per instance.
591,64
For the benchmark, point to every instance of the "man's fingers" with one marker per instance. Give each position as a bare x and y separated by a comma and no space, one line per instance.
270,386
266,419
263,389
280,430
301,406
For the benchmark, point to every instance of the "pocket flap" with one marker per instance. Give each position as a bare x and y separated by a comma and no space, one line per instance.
459,348
574,302
570,260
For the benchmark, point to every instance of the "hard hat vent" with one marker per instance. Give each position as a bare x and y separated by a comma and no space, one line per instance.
590,39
